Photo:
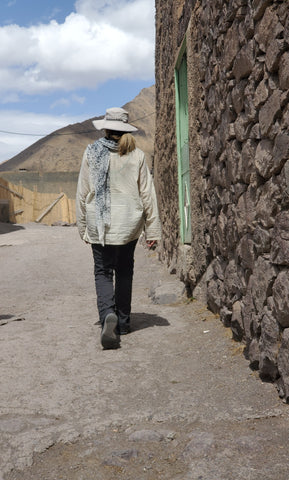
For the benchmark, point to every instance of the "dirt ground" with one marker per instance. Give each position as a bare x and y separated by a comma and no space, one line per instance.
177,401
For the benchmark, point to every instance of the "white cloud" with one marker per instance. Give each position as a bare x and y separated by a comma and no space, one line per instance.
67,101
10,98
78,99
100,41
19,123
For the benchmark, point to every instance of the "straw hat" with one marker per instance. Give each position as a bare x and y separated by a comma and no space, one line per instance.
115,119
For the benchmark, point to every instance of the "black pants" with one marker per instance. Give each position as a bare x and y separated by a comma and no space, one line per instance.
114,296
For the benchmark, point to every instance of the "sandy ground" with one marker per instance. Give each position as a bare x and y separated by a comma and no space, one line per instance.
176,401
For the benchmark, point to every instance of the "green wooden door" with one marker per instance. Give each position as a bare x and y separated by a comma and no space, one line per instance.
183,148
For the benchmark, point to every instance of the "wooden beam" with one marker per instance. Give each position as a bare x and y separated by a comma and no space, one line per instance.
49,208
11,191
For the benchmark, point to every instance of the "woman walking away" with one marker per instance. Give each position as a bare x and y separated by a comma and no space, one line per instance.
115,202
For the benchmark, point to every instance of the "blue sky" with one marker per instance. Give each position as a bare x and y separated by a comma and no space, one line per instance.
66,61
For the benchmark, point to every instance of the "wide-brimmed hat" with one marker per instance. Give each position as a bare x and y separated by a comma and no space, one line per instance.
115,119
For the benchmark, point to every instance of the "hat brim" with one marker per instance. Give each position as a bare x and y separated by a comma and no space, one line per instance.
115,125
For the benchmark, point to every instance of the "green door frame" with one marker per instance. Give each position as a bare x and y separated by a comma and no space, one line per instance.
182,123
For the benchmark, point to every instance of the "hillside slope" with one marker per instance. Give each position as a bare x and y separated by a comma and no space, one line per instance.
62,150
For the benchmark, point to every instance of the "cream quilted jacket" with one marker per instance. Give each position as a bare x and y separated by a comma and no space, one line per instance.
133,201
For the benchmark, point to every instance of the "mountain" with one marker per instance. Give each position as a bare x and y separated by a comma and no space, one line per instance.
62,150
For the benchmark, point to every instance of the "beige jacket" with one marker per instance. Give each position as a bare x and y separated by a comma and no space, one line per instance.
133,201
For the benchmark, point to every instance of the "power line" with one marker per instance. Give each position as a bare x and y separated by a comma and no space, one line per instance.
60,134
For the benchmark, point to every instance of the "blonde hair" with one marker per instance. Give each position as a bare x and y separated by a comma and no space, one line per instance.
126,142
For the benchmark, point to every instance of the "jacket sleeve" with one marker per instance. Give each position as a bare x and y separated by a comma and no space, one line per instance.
149,201
83,189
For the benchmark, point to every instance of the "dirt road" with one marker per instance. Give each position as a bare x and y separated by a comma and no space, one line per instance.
177,401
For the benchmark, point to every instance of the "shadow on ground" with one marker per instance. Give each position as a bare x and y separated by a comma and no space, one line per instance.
139,321
9,227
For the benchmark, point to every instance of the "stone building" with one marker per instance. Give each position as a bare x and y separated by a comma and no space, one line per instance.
222,168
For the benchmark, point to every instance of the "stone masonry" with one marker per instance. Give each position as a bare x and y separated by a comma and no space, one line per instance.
238,85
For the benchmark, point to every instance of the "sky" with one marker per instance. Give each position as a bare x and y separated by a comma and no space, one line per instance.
64,61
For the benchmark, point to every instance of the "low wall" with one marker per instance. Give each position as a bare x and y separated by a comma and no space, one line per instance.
238,54
44,182
26,206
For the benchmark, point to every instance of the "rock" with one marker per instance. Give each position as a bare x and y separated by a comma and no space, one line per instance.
250,109
200,445
286,175
215,293
261,94
281,298
262,240
262,281
244,62
269,346
225,316
280,240
170,292
146,436
220,235
120,458
234,163
255,132
242,127
254,354
269,111
238,96
284,71
283,366
264,160
245,212
265,28
281,149
246,253
237,322
234,284
273,54
249,24
268,205
126,454
259,7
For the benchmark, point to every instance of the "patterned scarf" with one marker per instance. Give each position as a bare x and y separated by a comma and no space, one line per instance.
98,155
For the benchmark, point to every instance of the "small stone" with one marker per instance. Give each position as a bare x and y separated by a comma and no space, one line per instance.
126,454
168,293
146,436
200,444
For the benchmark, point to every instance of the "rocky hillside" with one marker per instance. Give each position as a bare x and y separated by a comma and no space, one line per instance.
62,150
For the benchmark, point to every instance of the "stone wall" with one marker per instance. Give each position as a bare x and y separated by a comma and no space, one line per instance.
238,82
